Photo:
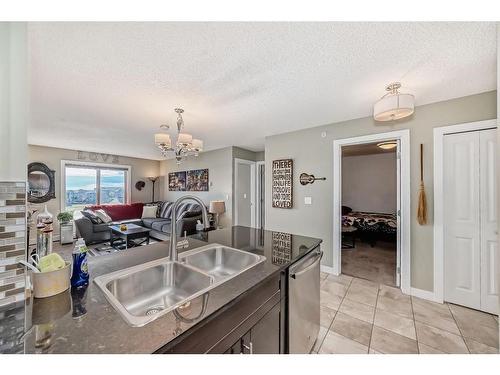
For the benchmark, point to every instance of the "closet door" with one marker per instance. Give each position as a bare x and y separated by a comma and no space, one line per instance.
462,220
489,221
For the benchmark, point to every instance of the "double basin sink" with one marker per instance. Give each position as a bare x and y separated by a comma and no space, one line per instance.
145,292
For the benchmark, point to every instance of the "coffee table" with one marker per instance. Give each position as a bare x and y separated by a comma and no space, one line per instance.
133,232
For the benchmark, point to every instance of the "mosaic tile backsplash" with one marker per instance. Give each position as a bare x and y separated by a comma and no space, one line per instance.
12,241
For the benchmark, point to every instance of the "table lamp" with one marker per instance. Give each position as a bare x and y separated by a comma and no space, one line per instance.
217,208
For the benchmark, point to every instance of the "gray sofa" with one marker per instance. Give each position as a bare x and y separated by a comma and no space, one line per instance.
187,216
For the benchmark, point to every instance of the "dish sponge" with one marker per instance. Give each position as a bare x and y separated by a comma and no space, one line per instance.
51,262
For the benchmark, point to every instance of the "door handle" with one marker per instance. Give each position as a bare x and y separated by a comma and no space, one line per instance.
249,347
297,274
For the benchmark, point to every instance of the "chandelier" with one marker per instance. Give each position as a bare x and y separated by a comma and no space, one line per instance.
184,146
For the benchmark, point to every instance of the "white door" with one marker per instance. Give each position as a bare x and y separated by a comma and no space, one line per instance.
462,220
489,221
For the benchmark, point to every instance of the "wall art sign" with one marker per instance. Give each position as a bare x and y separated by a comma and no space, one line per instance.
282,183
197,180
95,156
194,180
177,181
281,248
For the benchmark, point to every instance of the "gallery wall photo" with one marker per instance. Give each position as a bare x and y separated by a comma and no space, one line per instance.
194,180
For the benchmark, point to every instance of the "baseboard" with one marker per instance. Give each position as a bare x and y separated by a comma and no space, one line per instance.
327,269
425,294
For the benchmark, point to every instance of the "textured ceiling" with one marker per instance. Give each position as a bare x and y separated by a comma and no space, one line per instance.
108,86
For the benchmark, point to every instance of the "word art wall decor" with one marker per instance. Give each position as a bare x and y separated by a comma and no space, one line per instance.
283,183
95,156
282,248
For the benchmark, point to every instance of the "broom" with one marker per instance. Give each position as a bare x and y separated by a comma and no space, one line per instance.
422,199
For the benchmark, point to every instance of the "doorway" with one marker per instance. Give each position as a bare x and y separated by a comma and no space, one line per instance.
244,192
369,212
466,237
368,233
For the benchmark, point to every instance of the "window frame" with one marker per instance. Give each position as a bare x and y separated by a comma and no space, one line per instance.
98,167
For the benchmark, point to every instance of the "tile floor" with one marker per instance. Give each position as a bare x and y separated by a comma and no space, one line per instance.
359,316
376,263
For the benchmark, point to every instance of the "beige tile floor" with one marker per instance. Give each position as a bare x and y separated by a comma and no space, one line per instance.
376,263
361,316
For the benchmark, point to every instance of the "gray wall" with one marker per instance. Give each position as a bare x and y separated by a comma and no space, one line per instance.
313,154
369,182
220,174
242,153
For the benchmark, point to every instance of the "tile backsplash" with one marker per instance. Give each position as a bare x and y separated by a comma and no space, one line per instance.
12,241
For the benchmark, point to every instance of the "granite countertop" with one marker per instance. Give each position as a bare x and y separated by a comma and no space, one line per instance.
83,321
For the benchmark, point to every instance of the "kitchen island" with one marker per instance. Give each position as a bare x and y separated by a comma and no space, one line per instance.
252,303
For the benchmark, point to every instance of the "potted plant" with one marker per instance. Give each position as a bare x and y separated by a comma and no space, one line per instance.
65,217
66,227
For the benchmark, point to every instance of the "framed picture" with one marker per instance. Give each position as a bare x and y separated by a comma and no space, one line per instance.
282,194
197,180
177,181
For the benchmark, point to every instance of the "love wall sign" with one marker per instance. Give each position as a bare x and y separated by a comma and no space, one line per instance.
283,183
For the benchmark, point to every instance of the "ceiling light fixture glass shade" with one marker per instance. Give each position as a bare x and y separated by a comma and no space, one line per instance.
394,105
163,138
389,145
185,145
184,139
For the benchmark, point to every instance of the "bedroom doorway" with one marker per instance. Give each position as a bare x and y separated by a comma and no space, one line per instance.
371,208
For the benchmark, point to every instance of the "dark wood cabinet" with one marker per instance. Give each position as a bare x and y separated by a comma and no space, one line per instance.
251,323
263,338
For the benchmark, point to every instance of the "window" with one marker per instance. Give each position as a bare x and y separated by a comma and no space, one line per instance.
88,184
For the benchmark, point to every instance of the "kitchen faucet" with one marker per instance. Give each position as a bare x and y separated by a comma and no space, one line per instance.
173,230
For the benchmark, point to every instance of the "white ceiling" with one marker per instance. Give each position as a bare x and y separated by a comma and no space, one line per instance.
107,87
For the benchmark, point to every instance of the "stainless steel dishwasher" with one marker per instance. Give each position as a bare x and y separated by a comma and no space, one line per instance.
303,303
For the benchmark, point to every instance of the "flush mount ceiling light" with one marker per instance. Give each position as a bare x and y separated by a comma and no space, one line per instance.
389,145
184,146
393,105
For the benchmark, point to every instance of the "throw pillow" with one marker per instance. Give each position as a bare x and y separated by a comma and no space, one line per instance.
149,212
157,205
166,210
89,214
101,214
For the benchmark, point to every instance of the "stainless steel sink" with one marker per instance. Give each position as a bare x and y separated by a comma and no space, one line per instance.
145,292
219,261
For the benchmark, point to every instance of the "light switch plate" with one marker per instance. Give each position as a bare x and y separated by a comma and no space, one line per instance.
307,200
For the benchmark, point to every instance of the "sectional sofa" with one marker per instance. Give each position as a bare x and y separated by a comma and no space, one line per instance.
95,231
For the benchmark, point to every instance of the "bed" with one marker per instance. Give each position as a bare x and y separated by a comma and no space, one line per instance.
371,226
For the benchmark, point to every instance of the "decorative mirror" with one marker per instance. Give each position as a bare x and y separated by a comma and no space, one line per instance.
41,183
